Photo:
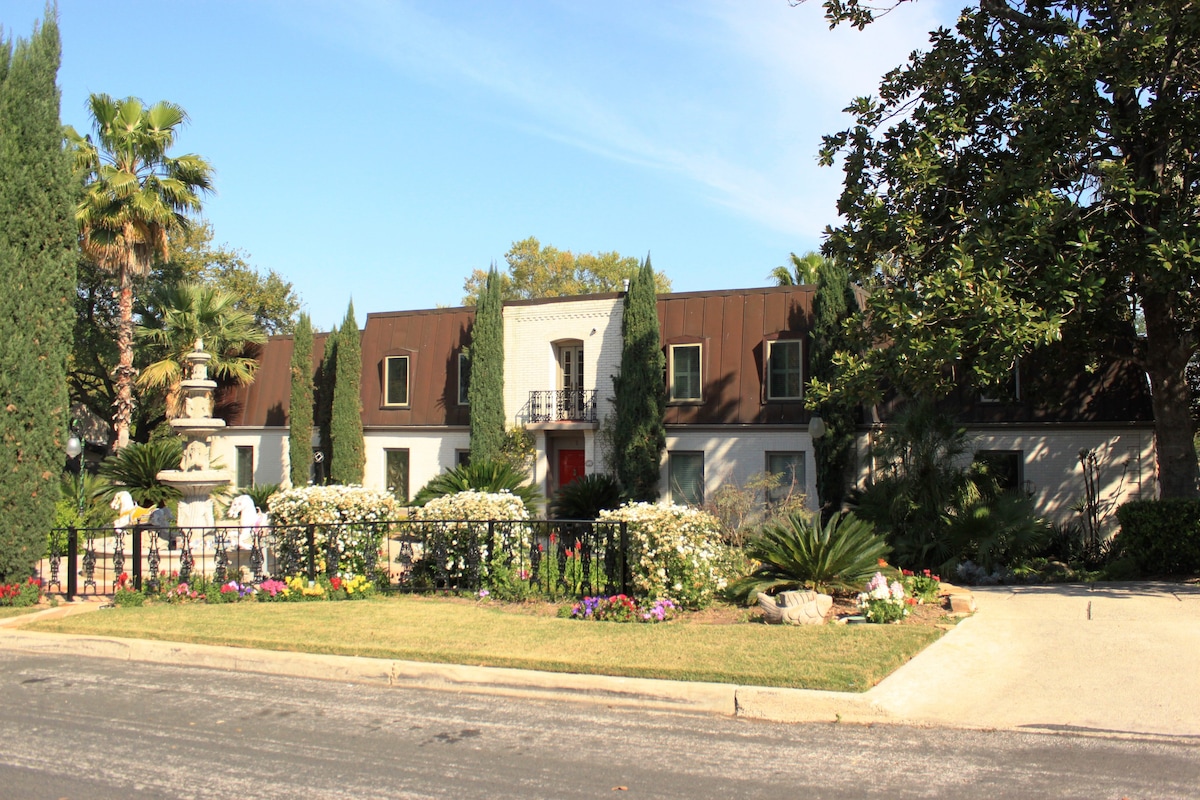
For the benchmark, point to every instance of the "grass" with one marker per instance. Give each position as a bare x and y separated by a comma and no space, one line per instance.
835,657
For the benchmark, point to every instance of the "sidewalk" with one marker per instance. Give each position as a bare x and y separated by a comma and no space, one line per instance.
1121,659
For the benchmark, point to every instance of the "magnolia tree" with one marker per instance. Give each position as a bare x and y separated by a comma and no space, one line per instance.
472,535
348,523
674,552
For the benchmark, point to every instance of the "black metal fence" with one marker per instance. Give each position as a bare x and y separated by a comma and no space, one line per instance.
556,558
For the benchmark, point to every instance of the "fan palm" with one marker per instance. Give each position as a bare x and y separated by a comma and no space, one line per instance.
134,196
481,476
797,552
186,312
804,270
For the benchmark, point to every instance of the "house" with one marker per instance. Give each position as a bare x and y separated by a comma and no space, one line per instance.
736,373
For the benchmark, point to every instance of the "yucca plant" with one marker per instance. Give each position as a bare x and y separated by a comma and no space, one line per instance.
135,469
586,497
481,476
798,552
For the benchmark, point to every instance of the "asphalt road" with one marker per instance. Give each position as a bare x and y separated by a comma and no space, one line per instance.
79,728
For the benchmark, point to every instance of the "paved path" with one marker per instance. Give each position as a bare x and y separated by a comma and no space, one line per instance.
1110,658
1121,659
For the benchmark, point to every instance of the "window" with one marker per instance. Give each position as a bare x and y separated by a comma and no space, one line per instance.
464,379
1004,466
1007,391
783,370
397,473
686,475
245,467
790,468
395,381
685,372
462,458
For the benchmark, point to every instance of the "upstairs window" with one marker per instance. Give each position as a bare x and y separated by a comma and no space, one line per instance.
395,381
685,372
784,372
464,379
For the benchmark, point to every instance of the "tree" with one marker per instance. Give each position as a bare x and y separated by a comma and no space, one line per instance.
1031,177
833,304
37,271
345,423
300,407
323,397
537,271
268,297
639,436
135,196
187,312
486,390
803,271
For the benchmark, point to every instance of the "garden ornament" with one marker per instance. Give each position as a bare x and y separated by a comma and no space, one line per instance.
796,608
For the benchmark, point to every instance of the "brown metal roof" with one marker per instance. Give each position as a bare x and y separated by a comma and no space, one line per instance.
732,326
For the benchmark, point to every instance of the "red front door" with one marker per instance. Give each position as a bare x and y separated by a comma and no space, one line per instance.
570,466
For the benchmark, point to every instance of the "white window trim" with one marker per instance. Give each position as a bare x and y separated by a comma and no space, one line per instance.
407,382
699,377
799,343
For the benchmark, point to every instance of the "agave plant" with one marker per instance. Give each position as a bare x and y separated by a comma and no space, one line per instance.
481,476
586,497
135,469
798,552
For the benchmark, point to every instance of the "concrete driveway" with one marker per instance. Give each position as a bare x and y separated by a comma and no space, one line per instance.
1110,658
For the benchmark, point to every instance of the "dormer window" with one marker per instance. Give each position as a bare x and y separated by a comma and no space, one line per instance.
785,379
395,381
685,384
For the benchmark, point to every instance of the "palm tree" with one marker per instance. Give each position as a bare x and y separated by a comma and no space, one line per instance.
135,196
184,313
802,272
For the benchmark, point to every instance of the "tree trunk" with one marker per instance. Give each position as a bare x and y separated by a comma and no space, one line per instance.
1166,355
123,411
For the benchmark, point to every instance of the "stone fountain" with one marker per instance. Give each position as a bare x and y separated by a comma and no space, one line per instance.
195,478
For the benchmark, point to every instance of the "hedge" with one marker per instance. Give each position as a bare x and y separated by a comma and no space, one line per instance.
1162,536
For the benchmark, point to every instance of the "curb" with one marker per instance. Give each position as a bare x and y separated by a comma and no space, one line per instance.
750,702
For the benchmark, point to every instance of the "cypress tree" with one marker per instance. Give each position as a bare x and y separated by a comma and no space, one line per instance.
486,392
323,396
639,435
300,407
832,305
37,288
345,423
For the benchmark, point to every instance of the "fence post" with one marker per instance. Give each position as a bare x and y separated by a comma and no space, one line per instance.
312,552
137,557
621,560
72,562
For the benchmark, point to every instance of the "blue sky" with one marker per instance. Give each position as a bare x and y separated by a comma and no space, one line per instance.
383,149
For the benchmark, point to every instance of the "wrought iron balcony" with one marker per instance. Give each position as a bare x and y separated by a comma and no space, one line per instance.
563,405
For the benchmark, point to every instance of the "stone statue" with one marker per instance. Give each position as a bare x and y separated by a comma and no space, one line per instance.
796,608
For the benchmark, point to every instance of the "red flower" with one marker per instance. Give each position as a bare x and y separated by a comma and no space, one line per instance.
883,562
553,538
335,582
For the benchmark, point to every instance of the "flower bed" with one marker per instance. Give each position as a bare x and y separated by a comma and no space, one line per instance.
674,551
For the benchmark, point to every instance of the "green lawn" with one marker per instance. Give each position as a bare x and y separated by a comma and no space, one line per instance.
837,657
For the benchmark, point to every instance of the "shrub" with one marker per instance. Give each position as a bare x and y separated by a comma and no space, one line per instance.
1161,536
481,476
350,525
586,497
21,595
459,545
798,552
924,585
674,551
